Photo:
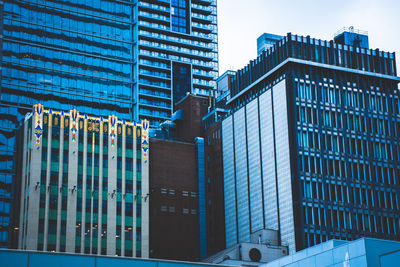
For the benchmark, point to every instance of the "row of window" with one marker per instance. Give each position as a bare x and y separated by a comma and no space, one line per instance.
172,192
371,100
171,209
380,149
344,194
362,171
346,220
354,122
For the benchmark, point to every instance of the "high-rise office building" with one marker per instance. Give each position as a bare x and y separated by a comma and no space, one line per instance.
311,147
83,184
63,54
130,58
176,53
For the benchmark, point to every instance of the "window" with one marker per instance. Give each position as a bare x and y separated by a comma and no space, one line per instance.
193,194
172,192
185,193
163,190
172,209
185,211
163,208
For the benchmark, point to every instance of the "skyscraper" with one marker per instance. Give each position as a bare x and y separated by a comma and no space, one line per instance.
63,55
176,52
311,147
131,58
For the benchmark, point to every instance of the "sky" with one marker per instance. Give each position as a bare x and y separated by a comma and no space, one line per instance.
241,22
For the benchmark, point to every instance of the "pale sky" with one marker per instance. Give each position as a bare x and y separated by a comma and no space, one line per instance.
240,22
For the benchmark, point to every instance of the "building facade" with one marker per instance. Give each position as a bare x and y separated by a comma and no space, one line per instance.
64,55
84,184
130,58
174,206
176,52
311,147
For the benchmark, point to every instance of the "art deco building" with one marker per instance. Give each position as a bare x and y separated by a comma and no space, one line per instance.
130,58
84,184
311,147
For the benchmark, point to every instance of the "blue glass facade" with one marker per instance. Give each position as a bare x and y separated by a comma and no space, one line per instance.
65,55
170,35
327,144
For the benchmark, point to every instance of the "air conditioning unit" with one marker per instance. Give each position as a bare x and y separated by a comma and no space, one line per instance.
261,252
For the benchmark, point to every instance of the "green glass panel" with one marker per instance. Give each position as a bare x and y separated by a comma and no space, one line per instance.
129,197
80,169
80,148
89,148
118,219
129,153
64,215
105,150
104,218
138,222
62,240
66,145
43,189
119,152
40,238
96,171
128,244
138,246
54,166
104,195
139,176
55,143
51,239
119,174
96,149
118,243
52,214
43,165
128,221
41,213
128,175
139,154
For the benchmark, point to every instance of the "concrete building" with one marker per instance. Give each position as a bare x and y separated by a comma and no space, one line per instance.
363,252
311,145
84,184
174,206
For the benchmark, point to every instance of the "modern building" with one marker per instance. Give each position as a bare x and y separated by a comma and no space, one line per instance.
132,59
84,184
362,252
352,37
176,48
223,84
19,258
263,247
266,41
311,145
64,55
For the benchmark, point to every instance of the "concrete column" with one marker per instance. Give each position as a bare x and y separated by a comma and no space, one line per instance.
84,179
34,183
123,190
100,206
72,181
92,198
48,166
60,184
22,211
145,189
112,185
134,196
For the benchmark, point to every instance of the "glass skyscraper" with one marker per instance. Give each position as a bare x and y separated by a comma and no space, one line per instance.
312,145
129,58
63,54
176,50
